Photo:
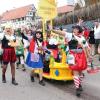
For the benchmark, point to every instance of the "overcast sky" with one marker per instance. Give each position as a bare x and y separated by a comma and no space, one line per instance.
10,4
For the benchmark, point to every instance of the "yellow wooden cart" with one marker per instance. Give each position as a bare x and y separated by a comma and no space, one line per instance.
58,71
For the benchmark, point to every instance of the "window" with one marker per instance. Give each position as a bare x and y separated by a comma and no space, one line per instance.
23,18
30,13
19,19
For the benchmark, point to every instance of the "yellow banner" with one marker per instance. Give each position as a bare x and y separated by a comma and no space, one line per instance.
53,2
47,9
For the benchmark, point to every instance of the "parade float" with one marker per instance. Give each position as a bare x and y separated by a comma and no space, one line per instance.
55,69
59,70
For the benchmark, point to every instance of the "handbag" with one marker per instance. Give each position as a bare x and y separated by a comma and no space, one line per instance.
20,49
35,57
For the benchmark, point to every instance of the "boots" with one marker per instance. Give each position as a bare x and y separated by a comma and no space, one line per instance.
32,78
42,83
14,81
3,79
78,92
80,87
17,66
23,68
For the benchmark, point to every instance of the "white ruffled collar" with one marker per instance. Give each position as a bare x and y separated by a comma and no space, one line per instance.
10,37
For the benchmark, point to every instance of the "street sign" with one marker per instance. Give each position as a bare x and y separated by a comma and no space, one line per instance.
47,9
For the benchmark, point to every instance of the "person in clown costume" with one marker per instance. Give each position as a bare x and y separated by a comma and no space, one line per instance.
9,56
78,55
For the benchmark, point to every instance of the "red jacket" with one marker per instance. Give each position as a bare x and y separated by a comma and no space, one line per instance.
32,45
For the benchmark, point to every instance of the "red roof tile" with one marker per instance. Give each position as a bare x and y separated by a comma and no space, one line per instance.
65,9
16,13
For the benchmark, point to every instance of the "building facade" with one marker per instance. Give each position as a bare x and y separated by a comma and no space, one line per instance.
23,16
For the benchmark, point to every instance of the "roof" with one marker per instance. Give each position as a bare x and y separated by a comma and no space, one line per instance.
65,9
16,13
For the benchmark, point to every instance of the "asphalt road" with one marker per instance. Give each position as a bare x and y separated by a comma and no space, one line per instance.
53,90
91,85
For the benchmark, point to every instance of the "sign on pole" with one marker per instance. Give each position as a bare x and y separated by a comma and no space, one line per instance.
47,9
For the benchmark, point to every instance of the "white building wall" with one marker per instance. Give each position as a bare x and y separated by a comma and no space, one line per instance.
27,22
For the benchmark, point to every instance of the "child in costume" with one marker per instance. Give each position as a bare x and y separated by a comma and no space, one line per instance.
35,56
25,41
53,45
20,52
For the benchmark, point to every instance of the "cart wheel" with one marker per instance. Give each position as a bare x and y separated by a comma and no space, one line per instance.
52,81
